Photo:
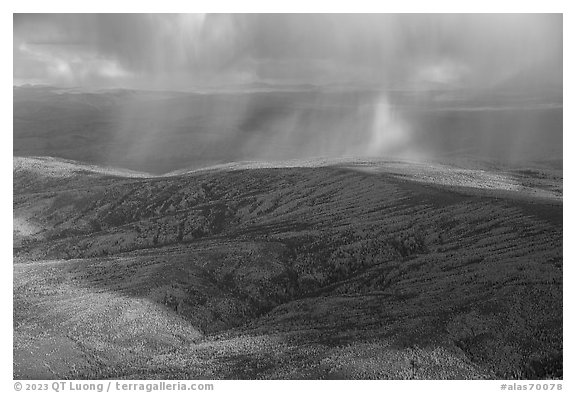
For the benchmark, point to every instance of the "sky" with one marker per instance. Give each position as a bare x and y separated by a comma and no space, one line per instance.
185,51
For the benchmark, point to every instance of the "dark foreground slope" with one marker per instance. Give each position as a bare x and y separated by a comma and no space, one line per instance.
339,270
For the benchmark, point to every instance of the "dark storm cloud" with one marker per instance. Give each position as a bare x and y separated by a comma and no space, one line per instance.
180,51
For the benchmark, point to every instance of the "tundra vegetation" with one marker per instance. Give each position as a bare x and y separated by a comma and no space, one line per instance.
359,269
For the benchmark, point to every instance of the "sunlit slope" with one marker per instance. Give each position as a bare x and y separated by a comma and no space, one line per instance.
291,271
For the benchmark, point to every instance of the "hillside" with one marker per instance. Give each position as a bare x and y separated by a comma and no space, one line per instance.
319,269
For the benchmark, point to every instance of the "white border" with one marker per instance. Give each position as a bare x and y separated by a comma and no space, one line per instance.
550,6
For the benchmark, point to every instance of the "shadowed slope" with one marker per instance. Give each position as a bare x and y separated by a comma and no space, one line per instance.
413,271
